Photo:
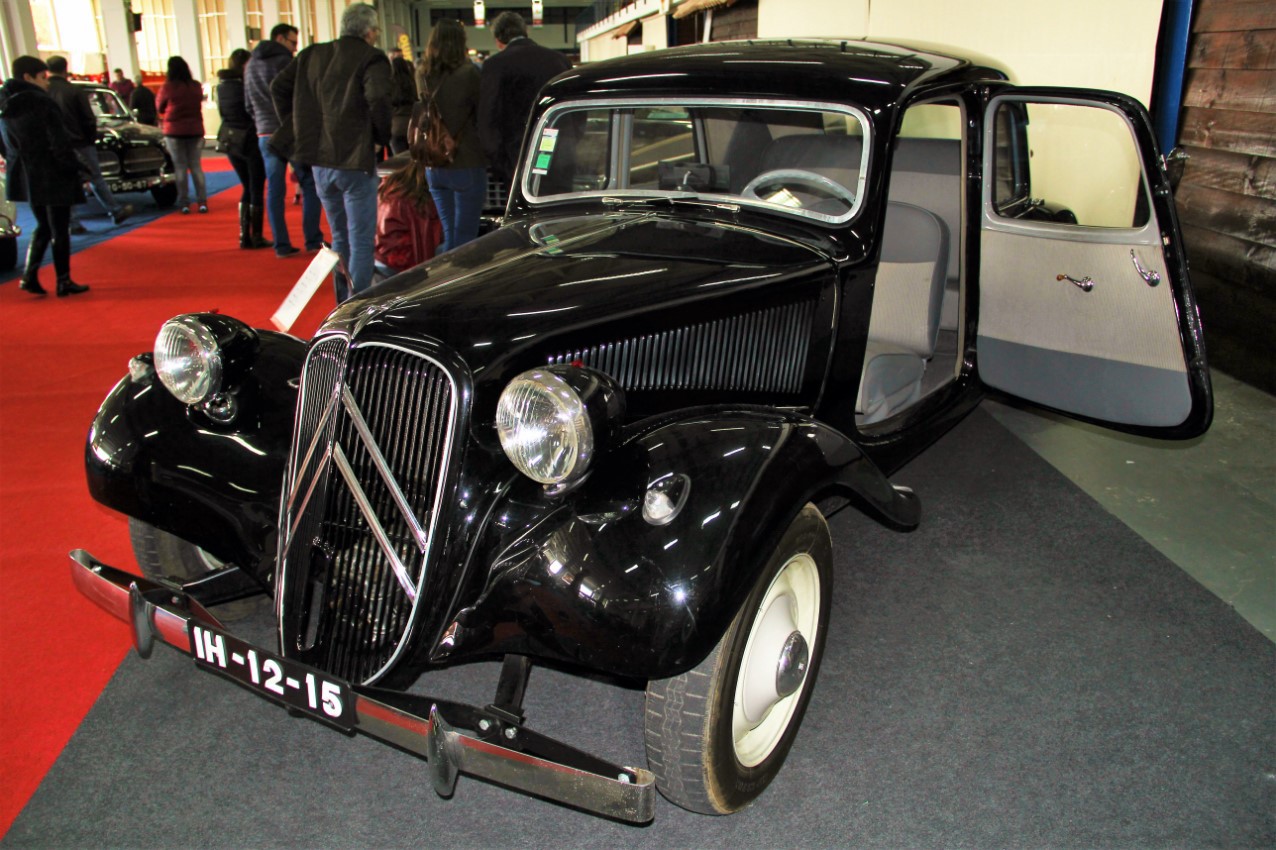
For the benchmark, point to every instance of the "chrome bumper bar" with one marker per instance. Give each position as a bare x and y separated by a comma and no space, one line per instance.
453,738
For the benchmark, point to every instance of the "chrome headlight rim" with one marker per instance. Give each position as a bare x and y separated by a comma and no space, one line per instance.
549,450
206,381
597,405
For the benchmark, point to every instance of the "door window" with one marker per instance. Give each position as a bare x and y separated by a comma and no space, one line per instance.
1066,163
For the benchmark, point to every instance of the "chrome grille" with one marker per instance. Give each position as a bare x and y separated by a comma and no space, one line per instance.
144,160
762,351
374,431
109,163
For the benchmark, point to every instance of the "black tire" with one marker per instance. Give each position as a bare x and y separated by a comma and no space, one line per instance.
8,253
165,196
700,762
166,557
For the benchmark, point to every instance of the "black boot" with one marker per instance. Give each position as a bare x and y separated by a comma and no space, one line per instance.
245,232
32,284
31,272
66,286
256,224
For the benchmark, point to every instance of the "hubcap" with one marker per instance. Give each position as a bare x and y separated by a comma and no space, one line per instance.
791,672
773,671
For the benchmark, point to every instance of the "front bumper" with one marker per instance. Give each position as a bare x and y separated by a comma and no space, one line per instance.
453,738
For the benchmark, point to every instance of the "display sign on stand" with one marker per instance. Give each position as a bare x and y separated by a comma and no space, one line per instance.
305,288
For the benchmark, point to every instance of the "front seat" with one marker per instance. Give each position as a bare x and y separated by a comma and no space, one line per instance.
907,300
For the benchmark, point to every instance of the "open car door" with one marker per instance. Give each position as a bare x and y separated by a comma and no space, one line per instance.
1084,301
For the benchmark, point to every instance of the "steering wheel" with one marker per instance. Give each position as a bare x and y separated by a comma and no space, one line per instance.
817,183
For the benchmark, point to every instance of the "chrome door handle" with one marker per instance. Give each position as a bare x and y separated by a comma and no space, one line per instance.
1150,277
1085,284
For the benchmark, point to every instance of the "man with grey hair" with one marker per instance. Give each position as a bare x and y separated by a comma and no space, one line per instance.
510,82
333,102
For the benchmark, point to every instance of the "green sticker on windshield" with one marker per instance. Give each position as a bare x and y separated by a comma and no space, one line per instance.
545,151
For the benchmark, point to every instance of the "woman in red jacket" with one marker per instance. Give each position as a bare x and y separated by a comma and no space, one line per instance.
180,107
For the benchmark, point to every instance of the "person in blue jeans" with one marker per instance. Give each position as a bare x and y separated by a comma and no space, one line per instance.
270,57
336,131
277,199
452,82
350,199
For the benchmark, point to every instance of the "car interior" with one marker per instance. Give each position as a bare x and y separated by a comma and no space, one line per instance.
914,332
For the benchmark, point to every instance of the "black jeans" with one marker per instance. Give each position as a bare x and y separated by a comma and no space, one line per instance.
251,170
52,224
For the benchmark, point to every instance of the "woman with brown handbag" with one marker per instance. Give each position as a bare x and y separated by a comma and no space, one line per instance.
459,184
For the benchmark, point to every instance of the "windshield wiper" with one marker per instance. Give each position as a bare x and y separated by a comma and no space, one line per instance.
669,199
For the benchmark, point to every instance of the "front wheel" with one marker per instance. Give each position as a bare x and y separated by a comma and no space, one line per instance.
167,557
8,253
717,735
165,196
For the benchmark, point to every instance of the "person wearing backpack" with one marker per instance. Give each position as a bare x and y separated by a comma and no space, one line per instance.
459,187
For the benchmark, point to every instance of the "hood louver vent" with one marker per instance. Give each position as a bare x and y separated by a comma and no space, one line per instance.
763,351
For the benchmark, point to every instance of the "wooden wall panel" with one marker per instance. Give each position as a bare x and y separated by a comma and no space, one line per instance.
1234,16
1235,172
1234,318
1246,265
1239,132
1245,217
1239,173
1249,49
1226,197
1241,89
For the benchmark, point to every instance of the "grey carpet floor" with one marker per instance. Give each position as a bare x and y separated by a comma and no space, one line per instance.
1021,671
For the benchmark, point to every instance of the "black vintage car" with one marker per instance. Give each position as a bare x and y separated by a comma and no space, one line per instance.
737,286
132,154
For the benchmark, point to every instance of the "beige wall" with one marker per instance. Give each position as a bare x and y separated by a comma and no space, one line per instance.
816,18
1105,44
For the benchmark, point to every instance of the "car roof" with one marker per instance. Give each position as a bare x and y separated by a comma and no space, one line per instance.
842,70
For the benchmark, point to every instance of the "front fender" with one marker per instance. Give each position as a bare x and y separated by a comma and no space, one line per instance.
587,579
215,485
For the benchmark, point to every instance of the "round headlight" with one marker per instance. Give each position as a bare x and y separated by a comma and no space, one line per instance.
188,359
544,427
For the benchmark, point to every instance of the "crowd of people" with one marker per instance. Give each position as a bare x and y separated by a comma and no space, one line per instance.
328,113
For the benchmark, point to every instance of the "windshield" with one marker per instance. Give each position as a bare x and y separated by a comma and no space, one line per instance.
107,103
799,159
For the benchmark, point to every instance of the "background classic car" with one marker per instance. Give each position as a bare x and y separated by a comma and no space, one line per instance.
737,286
132,154
10,230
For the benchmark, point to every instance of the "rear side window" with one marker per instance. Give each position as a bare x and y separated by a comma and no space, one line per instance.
798,159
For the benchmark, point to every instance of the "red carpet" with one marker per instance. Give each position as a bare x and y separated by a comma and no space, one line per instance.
58,359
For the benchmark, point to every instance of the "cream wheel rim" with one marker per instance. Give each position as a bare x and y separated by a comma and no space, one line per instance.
773,669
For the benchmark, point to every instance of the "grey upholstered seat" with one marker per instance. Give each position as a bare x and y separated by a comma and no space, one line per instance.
907,299
928,173
833,156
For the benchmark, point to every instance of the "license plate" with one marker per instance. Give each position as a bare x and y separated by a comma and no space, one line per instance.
294,684
132,185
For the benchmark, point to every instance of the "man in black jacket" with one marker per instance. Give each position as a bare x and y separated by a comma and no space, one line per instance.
142,104
270,57
41,168
333,102
81,126
508,88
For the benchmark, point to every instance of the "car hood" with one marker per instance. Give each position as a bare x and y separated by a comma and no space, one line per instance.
130,132
532,288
